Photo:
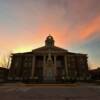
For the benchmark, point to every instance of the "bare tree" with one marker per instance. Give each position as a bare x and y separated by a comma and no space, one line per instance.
6,61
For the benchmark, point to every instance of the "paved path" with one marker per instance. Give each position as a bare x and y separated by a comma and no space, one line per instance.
47,92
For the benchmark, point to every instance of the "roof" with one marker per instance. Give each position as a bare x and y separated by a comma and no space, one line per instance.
54,48
2,68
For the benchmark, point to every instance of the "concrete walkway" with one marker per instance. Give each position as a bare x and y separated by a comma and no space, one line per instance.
21,91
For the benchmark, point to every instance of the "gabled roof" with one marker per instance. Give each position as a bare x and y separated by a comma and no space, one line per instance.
54,48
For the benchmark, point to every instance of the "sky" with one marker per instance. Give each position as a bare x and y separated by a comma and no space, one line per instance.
74,24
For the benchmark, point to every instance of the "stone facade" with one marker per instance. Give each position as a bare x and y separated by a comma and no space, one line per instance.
48,64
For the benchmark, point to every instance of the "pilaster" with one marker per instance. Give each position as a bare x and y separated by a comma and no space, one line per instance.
66,67
33,67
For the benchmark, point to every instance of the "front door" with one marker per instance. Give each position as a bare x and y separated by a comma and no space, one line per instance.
50,74
49,71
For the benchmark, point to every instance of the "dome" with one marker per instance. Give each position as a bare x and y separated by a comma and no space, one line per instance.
50,37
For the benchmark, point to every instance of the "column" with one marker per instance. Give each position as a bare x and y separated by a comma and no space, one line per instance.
55,65
33,67
44,67
66,67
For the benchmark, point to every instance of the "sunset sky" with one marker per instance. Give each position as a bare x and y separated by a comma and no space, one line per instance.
74,24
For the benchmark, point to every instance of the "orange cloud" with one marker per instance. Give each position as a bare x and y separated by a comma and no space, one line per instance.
90,29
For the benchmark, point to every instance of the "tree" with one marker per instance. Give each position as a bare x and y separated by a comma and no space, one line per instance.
5,61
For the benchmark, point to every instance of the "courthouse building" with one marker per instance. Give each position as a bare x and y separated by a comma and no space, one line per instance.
48,64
